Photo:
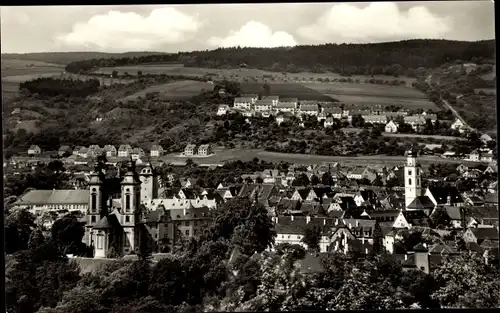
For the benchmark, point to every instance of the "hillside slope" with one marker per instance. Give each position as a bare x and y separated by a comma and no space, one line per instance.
388,58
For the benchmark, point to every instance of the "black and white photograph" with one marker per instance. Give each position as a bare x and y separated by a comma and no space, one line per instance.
246,157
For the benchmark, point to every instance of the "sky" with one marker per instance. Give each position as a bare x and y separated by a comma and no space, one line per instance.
173,28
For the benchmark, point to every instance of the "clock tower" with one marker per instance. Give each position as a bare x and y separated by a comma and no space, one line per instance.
149,186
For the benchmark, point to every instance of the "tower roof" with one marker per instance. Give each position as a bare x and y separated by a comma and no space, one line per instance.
95,177
131,177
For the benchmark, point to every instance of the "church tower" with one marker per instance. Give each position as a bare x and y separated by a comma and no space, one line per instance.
413,187
130,207
150,184
97,207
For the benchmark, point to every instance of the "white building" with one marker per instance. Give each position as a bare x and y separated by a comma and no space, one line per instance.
223,109
328,122
413,184
263,105
244,103
375,119
458,125
309,109
286,107
274,100
391,127
415,121
34,149
334,112
156,151
124,151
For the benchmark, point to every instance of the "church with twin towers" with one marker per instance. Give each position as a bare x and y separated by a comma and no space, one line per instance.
118,223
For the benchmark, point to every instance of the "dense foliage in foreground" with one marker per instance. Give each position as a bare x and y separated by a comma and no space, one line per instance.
198,277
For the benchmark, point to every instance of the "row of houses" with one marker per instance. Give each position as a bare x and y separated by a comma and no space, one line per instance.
200,150
123,151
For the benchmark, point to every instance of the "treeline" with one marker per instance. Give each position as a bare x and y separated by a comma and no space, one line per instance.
52,87
390,58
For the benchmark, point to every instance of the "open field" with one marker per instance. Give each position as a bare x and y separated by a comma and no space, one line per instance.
222,155
368,94
423,136
238,74
487,91
287,90
491,75
26,67
174,90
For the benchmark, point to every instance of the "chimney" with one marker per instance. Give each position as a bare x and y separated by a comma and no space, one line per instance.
406,257
448,200
349,225
336,221
363,240
324,221
425,245
366,250
184,211
291,217
357,223
308,219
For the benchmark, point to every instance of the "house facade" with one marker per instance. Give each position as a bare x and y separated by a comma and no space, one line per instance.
34,150
391,127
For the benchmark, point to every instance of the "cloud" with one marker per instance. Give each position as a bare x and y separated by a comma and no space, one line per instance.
129,31
382,21
254,34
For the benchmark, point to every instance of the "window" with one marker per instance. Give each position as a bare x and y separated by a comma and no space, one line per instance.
409,181
127,219
409,172
93,219
195,223
418,181
126,242
186,223
289,237
94,203
127,203
156,236
187,232
418,173
99,241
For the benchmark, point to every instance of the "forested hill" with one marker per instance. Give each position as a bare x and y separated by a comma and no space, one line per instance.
68,57
345,58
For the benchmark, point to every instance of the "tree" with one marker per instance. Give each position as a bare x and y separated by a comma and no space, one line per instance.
302,180
314,180
246,224
312,237
466,281
38,278
266,90
18,229
68,233
326,179
36,239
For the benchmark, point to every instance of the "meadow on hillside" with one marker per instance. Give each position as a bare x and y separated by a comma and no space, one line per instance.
178,90
371,94
287,90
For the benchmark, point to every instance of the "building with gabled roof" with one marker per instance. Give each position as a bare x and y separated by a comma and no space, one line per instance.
34,150
124,151
156,150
